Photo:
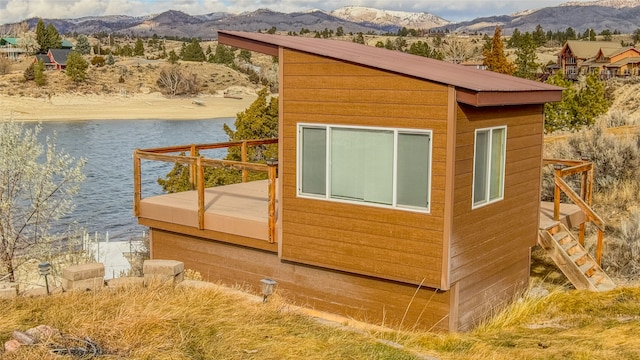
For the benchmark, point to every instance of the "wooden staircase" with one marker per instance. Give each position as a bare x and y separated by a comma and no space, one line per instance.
573,260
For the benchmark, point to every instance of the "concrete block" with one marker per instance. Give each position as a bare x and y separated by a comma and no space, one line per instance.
8,293
162,267
84,271
96,283
150,278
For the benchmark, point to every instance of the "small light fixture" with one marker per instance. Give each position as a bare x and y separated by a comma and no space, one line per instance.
267,288
45,269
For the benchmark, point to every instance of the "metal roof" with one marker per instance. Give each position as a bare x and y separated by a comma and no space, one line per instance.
474,87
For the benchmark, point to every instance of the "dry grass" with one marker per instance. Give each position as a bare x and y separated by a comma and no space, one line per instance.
185,323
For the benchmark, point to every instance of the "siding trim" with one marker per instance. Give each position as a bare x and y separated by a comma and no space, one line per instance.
280,183
449,188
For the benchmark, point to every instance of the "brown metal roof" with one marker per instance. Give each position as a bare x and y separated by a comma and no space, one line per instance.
474,87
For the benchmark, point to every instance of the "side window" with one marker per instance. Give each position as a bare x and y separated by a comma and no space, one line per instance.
488,165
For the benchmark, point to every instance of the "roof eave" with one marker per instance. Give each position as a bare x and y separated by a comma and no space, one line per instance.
506,98
248,44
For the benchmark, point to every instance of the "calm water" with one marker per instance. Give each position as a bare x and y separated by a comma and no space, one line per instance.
105,200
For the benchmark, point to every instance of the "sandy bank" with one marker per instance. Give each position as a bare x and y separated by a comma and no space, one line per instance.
115,107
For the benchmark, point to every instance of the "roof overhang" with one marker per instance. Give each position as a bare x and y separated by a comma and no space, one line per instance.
473,87
248,44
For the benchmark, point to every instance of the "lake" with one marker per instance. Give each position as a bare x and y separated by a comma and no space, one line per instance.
105,200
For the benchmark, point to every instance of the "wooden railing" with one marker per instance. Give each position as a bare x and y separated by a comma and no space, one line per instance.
197,164
563,168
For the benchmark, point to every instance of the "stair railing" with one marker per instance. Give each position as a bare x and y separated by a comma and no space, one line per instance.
563,168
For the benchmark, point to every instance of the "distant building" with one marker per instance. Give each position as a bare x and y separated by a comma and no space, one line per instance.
9,47
608,58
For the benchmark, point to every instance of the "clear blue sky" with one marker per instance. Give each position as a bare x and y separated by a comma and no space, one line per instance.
453,10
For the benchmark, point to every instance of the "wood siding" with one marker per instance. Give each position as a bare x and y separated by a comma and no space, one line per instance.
490,245
360,297
386,243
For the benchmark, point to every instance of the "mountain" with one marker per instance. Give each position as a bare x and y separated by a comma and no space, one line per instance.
581,17
616,4
389,19
599,15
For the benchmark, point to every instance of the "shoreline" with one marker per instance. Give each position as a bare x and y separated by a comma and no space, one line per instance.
151,106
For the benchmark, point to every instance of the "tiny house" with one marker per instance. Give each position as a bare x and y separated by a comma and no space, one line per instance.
408,189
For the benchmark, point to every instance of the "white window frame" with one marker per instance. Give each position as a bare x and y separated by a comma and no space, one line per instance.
327,194
487,199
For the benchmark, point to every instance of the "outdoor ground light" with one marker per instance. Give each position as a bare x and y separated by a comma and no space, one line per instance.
45,269
267,288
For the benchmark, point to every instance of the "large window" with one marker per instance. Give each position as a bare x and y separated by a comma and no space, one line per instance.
488,165
377,166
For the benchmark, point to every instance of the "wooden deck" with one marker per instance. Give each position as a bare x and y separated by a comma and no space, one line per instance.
570,215
238,209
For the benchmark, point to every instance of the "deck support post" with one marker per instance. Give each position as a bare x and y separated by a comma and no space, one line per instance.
557,168
272,174
243,157
137,184
200,183
599,247
192,167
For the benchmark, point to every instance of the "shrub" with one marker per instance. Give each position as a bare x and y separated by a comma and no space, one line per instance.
5,65
98,61
173,81
623,254
38,74
29,72
110,60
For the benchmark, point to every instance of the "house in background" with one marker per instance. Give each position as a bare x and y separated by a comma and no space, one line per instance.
10,48
608,58
55,59
408,190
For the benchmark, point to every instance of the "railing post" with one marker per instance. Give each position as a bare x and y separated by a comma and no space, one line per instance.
192,168
200,183
272,174
137,184
556,192
243,158
599,247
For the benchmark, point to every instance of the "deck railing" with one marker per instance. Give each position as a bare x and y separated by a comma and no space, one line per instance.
197,164
563,168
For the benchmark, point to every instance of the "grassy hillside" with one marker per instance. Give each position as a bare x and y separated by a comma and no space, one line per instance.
162,322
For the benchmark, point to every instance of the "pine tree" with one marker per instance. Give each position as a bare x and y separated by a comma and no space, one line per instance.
41,36
526,65
539,37
259,121
76,67
560,115
38,73
591,101
138,49
82,45
494,58
54,41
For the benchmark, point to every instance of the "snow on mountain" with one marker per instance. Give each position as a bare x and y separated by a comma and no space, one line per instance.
360,14
616,4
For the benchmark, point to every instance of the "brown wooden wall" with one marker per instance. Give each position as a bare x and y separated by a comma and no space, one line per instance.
392,244
490,245
360,297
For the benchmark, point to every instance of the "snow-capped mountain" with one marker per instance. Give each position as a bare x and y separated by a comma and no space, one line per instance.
616,4
366,15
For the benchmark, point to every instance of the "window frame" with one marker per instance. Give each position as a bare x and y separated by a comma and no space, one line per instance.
327,195
487,199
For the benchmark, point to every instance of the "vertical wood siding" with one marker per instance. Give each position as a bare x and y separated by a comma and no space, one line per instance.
360,297
386,243
490,245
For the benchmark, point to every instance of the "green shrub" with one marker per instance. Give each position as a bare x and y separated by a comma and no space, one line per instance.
98,61
29,72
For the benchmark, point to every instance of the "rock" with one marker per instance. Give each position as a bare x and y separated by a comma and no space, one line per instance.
42,332
23,338
12,345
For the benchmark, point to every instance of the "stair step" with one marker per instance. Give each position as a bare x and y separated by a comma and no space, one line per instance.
561,237
580,258
588,269
573,249
606,286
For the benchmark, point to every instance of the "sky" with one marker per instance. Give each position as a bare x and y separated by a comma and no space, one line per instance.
453,10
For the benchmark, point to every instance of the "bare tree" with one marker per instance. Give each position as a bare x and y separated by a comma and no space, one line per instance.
37,184
456,50
173,81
